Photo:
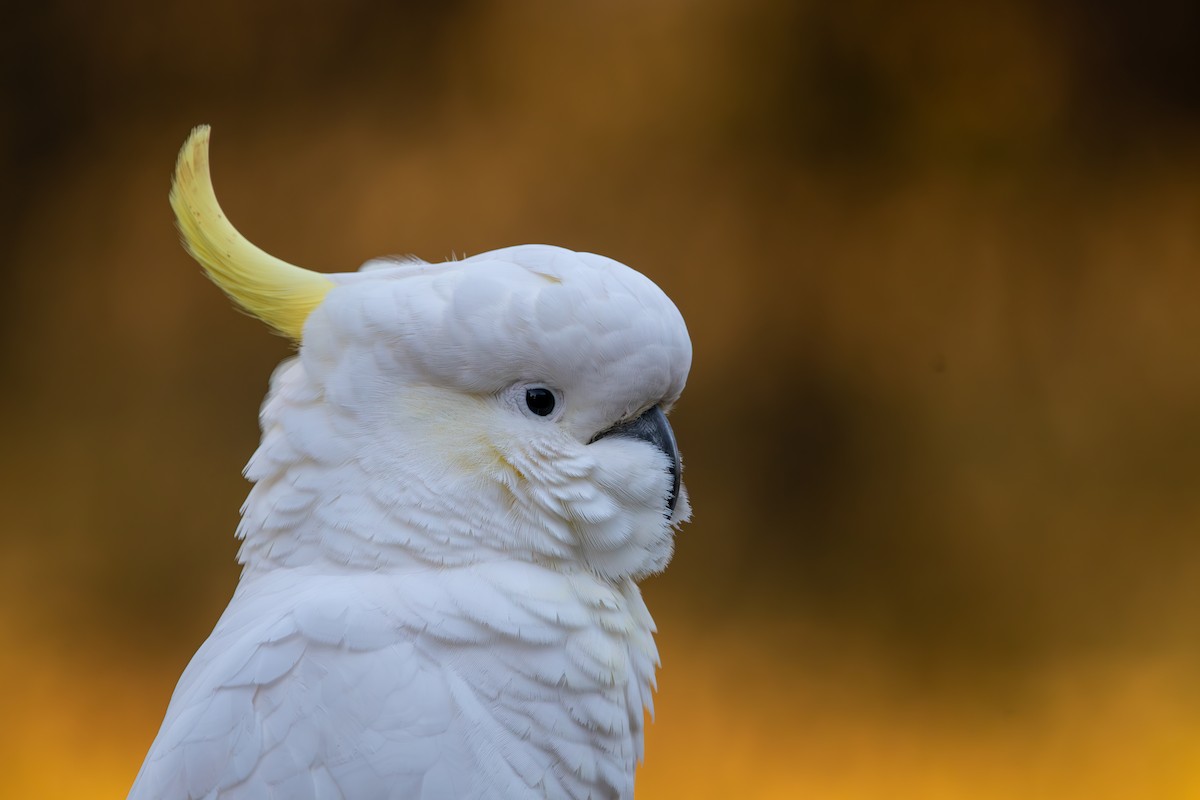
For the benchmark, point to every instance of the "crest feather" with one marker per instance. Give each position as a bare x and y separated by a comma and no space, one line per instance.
278,293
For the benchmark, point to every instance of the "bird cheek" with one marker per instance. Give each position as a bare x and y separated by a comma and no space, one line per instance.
633,473
683,508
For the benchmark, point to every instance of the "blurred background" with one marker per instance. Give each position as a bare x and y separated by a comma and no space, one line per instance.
939,262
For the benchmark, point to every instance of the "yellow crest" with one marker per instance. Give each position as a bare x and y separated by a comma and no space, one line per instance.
278,293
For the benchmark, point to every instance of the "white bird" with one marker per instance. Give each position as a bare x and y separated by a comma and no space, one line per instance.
462,475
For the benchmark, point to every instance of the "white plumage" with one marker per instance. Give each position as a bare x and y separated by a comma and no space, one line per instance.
438,597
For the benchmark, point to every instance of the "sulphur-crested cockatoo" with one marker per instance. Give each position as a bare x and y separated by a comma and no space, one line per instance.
462,475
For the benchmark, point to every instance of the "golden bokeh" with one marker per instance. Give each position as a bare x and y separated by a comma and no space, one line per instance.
940,262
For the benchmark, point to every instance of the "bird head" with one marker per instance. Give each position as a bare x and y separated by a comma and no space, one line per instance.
508,405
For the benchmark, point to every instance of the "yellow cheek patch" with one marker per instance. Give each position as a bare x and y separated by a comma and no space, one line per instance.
280,294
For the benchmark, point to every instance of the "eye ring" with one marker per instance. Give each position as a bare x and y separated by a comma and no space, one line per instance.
535,400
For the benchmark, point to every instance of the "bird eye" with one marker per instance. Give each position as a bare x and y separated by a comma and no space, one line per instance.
540,400
535,400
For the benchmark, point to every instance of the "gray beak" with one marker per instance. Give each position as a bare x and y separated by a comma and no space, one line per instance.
653,427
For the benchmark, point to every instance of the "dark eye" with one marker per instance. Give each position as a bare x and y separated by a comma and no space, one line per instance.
540,401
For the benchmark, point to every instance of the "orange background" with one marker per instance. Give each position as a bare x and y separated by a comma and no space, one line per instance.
941,266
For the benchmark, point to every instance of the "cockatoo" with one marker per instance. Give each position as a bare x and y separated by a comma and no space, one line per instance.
463,473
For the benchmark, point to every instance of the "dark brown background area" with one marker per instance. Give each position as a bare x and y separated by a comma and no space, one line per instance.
940,266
